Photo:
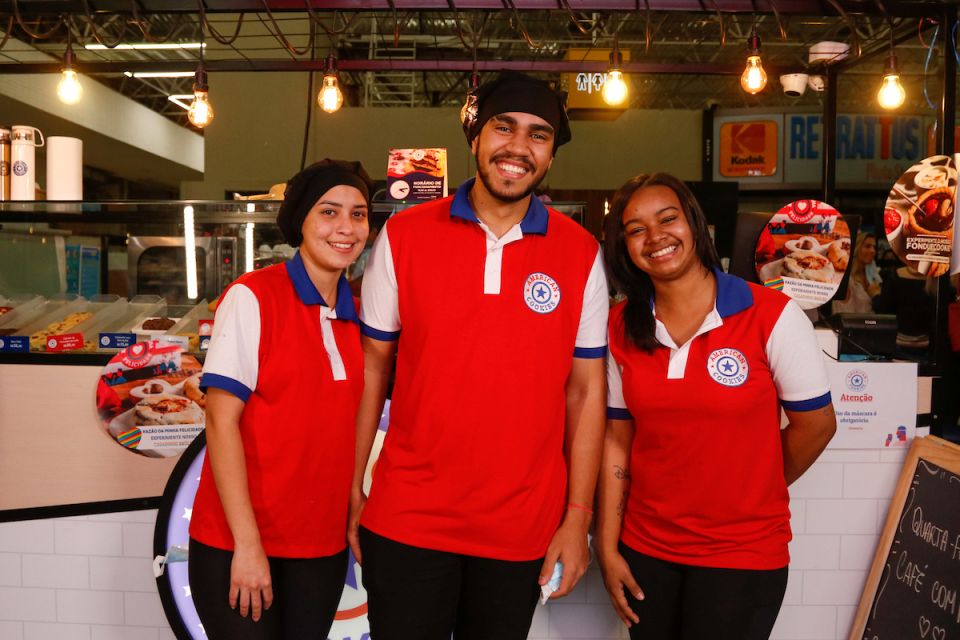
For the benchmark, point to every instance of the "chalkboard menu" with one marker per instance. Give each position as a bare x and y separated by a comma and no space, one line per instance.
912,589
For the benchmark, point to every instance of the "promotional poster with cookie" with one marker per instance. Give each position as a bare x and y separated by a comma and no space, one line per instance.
918,217
804,251
416,175
149,399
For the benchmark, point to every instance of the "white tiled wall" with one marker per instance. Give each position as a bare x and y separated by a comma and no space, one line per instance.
839,508
81,578
89,578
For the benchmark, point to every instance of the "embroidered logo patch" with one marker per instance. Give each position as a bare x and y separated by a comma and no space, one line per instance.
541,292
729,367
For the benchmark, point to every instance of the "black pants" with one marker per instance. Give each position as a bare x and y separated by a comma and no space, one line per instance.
422,594
683,602
306,592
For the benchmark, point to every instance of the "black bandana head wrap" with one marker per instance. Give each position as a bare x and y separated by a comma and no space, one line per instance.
513,91
305,188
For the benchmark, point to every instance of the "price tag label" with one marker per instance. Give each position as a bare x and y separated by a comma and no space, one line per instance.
117,340
205,327
183,341
65,342
15,344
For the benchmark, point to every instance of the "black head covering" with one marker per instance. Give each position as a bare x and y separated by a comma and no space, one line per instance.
513,91
305,188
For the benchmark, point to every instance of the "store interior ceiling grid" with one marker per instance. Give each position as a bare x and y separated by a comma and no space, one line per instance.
685,54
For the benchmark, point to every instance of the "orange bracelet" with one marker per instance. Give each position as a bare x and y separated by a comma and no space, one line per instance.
574,505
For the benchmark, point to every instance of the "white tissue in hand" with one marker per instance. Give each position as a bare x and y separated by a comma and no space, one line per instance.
552,584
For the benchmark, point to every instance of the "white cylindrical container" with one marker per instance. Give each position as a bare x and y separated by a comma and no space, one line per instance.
64,168
23,170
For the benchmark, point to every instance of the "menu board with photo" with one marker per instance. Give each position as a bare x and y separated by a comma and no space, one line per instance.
416,175
918,217
804,251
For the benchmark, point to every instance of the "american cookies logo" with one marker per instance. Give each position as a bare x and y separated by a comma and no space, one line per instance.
728,367
19,168
857,380
541,292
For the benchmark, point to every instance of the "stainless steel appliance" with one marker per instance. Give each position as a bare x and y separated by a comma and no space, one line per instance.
158,265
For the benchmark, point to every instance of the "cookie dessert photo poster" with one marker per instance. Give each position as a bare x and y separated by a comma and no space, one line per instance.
804,251
919,213
149,399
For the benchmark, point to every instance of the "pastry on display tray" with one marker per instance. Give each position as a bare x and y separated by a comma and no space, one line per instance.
38,339
157,324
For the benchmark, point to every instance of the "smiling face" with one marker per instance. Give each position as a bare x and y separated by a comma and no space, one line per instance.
657,234
335,229
513,151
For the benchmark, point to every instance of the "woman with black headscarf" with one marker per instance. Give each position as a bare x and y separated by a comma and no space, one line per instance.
283,377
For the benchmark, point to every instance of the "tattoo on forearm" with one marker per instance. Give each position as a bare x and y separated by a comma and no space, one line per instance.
620,473
622,505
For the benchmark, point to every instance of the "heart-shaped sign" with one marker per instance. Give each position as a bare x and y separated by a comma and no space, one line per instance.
924,626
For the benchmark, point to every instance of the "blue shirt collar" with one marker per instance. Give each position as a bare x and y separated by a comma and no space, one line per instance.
733,294
534,221
308,293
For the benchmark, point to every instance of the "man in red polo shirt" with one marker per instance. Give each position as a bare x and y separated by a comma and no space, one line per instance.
495,307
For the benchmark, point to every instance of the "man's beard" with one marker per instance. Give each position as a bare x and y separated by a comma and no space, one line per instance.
485,174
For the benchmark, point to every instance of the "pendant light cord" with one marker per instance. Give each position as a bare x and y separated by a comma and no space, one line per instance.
306,125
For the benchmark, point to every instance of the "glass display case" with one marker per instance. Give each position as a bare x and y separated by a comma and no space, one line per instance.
96,277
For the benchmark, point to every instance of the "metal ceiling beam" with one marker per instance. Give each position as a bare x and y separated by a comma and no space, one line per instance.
533,66
784,7
907,33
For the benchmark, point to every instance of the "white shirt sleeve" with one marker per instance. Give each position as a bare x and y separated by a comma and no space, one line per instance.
592,333
379,299
232,360
796,362
616,405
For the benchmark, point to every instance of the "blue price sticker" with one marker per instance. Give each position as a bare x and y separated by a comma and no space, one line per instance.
117,340
15,344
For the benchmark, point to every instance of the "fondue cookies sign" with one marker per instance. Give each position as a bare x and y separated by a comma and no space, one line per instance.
804,251
149,399
918,217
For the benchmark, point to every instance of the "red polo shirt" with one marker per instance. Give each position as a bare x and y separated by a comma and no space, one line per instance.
298,365
488,328
706,462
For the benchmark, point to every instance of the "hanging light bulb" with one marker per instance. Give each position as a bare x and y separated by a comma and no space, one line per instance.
69,89
754,78
330,97
614,87
891,94
200,112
